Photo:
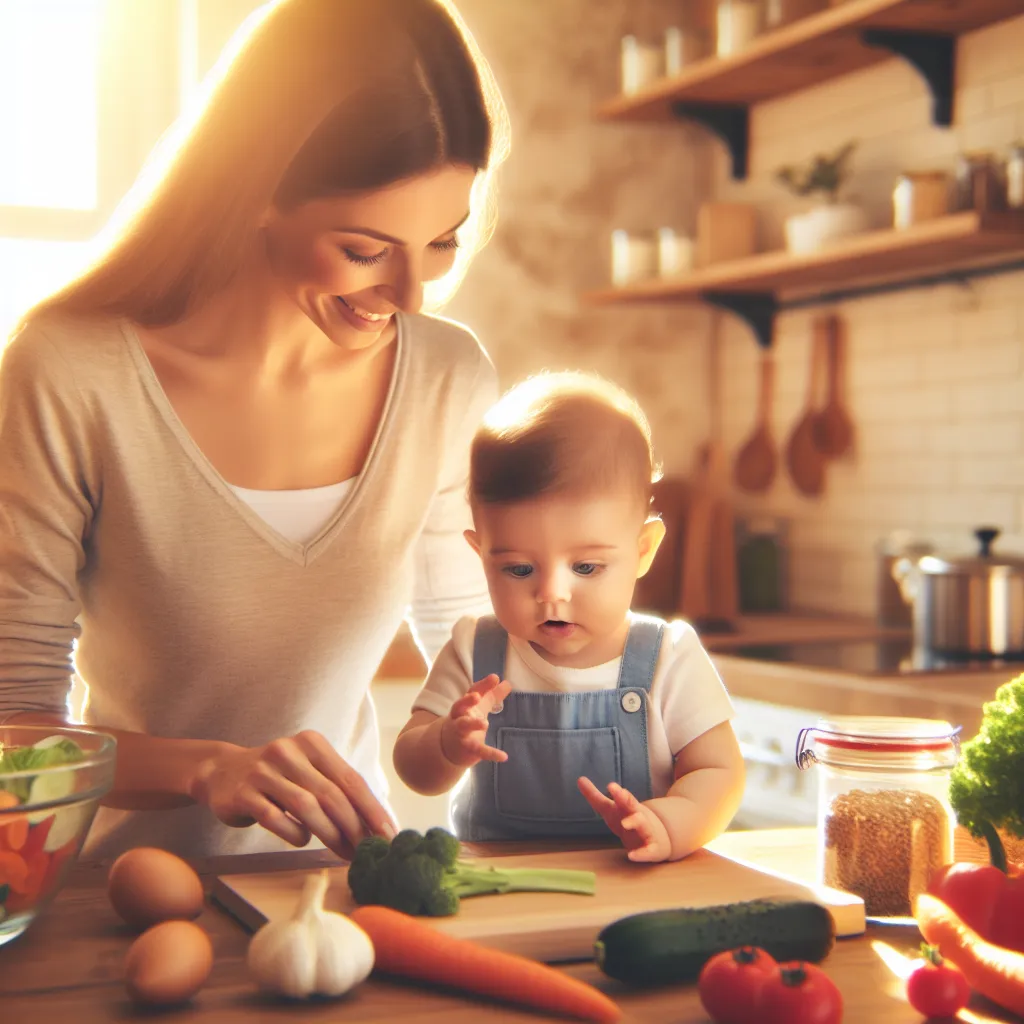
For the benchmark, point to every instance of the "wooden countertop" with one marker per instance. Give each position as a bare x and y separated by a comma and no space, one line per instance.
67,967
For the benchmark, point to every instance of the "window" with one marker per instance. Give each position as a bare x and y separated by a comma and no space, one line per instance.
86,89
48,103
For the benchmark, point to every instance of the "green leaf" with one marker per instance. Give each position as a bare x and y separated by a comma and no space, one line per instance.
987,784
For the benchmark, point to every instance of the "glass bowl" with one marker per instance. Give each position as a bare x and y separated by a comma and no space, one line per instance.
51,782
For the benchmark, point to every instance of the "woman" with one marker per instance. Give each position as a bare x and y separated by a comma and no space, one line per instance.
232,452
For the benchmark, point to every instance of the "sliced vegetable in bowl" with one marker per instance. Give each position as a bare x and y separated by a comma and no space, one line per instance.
51,782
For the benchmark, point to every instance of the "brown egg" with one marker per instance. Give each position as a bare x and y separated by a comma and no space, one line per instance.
168,964
147,886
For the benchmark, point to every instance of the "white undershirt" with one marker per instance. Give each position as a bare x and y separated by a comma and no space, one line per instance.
297,515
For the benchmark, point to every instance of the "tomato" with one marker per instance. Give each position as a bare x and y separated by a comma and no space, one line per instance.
730,984
936,987
799,993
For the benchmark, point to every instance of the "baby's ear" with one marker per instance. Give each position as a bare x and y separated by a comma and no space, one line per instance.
472,539
652,533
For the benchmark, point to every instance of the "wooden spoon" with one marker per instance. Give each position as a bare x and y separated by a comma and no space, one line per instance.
709,587
805,459
756,461
833,429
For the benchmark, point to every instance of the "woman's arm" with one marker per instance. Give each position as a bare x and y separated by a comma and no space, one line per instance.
449,578
152,774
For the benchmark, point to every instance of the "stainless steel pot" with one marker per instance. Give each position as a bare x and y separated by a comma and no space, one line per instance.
970,606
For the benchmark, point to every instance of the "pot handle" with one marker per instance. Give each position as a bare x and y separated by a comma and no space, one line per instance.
905,573
986,535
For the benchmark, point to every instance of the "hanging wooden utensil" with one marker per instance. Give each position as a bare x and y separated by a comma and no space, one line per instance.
708,589
756,461
805,460
833,429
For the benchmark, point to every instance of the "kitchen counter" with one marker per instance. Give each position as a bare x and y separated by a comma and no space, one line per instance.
68,966
403,660
955,697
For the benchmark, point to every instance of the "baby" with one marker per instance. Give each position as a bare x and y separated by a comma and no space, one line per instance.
572,714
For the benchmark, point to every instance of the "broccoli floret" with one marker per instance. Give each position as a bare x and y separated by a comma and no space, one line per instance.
406,842
442,846
364,873
422,875
987,786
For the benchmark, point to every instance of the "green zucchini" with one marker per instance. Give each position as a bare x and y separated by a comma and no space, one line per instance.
662,946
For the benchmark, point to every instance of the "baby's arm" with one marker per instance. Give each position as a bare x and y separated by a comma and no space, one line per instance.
710,776
699,805
432,752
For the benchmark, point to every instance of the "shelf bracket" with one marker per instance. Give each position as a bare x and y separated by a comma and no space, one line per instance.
730,123
756,309
933,55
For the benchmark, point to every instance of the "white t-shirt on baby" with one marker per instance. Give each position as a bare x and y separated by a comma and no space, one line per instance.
687,695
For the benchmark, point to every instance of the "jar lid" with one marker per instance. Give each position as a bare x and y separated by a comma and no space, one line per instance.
985,563
866,741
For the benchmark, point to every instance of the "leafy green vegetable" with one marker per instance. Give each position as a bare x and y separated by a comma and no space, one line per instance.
422,875
47,753
824,174
987,785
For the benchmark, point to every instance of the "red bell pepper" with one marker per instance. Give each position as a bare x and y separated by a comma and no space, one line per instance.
988,898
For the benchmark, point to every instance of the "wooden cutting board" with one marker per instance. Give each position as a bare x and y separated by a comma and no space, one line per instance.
556,927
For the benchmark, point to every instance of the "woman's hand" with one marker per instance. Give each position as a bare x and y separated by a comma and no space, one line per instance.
294,787
642,832
465,728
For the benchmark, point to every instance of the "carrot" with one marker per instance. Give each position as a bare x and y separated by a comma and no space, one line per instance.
997,973
409,947
13,870
13,834
13,827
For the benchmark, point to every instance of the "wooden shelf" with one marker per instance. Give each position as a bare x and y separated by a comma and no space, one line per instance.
755,288
805,53
947,243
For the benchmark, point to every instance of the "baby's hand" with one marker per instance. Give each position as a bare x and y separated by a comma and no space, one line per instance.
642,832
464,730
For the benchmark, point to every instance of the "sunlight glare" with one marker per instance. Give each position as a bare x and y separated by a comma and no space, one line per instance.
901,967
48,103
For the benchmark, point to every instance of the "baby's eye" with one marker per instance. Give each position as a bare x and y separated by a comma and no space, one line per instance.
520,572
586,568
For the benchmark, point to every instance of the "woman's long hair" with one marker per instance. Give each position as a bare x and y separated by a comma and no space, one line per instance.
311,98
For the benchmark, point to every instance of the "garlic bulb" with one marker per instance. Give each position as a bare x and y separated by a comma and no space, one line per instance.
314,952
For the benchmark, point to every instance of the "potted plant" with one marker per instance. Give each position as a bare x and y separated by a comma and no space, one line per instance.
831,219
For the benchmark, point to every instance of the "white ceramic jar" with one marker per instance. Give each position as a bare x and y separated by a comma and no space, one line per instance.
738,24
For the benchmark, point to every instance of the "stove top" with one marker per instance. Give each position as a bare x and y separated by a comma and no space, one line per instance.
891,656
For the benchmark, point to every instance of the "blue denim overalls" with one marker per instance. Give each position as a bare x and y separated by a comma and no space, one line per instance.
551,740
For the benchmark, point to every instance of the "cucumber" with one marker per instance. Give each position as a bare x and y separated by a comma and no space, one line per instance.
663,946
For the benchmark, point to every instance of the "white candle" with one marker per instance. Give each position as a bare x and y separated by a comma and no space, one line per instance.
738,25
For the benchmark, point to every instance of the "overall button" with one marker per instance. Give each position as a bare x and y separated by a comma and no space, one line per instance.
631,701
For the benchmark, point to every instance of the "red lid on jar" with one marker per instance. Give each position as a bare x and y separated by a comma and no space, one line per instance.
858,740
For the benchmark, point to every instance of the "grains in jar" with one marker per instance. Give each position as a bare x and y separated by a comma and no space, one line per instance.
884,819
884,846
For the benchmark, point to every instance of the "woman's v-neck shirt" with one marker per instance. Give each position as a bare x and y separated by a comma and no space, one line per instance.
126,559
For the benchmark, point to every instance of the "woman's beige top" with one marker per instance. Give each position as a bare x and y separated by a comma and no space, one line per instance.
128,562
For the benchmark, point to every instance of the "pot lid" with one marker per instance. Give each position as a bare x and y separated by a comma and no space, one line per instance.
985,563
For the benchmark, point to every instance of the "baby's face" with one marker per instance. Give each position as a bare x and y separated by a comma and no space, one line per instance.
561,571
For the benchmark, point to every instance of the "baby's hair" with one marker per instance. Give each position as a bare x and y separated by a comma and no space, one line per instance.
562,433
